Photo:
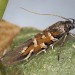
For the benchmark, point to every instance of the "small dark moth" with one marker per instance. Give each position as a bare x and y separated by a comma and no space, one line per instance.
41,42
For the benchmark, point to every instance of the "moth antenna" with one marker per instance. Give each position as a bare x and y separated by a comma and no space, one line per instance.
43,14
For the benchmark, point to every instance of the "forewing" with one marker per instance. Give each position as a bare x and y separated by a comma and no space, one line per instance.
14,56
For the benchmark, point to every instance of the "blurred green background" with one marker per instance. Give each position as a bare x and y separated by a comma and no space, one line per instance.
3,4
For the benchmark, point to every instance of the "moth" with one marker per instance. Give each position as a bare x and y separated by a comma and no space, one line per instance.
41,41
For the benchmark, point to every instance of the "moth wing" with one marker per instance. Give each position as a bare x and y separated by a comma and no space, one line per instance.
15,56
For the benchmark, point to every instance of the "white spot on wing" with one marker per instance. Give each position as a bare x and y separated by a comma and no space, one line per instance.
43,45
51,37
35,42
24,49
43,36
29,54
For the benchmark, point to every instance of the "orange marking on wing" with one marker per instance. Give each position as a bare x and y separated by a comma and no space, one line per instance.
28,49
45,40
36,49
40,40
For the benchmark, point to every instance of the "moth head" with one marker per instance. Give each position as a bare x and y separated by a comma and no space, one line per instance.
70,23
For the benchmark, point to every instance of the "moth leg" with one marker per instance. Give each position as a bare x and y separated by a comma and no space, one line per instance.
44,50
52,46
55,40
61,41
29,54
72,35
58,53
64,39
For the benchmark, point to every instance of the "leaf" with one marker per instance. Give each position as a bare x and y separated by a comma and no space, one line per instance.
45,64
3,4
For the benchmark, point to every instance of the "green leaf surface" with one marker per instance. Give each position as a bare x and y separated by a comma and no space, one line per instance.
44,63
